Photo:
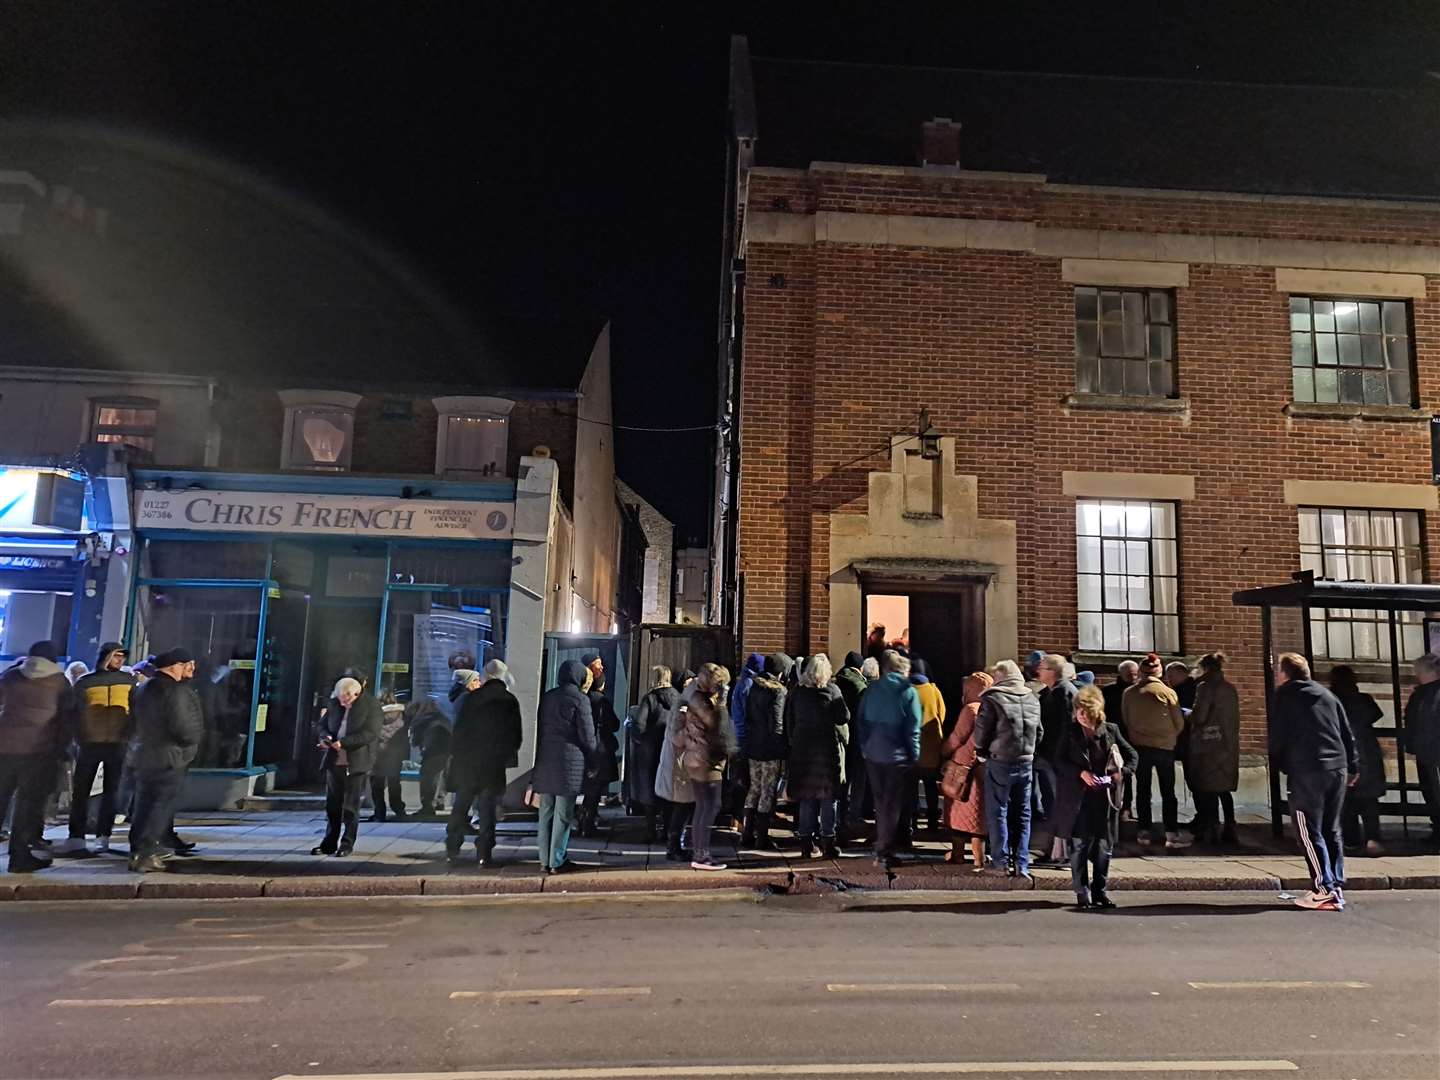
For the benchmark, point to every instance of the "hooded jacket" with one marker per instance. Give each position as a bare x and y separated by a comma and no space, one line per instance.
819,727
1008,727
565,745
169,724
1309,731
754,665
104,700
888,723
765,713
1153,720
37,708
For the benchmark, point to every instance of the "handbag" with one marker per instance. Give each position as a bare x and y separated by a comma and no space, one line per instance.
531,799
955,779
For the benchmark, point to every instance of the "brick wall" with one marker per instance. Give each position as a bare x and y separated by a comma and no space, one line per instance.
858,338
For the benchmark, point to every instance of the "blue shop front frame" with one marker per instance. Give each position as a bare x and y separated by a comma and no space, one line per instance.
264,627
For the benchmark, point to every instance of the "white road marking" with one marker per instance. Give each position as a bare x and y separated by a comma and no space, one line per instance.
1298,984
551,992
920,988
899,1068
125,1003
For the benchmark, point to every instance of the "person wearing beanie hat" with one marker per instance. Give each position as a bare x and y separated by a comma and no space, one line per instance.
1085,678
1153,723
1031,670
766,748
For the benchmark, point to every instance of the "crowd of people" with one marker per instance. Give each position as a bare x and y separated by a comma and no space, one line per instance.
1036,765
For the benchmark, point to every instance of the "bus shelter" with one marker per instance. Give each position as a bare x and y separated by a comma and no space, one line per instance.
1288,616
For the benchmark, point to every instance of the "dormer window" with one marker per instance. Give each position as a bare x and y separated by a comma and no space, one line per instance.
473,438
129,422
319,429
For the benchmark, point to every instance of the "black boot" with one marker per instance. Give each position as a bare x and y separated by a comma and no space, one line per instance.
747,831
807,848
830,849
762,833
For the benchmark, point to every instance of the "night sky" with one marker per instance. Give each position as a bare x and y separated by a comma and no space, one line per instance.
529,158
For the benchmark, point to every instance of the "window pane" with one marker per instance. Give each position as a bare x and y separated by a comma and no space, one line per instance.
1160,383
1159,307
1352,386
1357,527
1137,378
1110,306
1087,339
1325,349
1112,339
1341,643
1324,315
1087,555
1167,633
1382,528
1399,387
1370,318
1087,375
1365,642
1137,591
1162,519
1319,641
1137,519
1409,523
1137,557
1142,633
1347,316
1349,349
1327,386
1114,555
1089,592
1134,316
1086,305
1160,343
476,444
1087,517
1302,349
1112,376
1394,317
1337,566
1412,642
1377,390
1397,352
1114,593
1117,633
1299,313
1112,519
1309,526
1164,551
1165,599
1090,634
1303,382
1372,351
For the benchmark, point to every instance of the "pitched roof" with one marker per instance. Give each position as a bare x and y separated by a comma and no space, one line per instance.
1179,134
132,255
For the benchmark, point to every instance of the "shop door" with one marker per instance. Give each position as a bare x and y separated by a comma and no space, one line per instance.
282,718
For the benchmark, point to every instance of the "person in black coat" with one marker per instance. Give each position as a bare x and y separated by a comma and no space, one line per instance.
765,748
1360,816
652,717
485,742
349,733
1090,761
565,755
817,726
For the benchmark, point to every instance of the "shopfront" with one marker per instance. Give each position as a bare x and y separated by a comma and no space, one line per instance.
277,591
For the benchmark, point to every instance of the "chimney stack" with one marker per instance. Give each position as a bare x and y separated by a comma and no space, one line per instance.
940,143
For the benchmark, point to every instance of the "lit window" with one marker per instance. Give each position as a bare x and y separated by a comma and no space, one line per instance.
1352,351
474,437
1129,575
1124,342
128,423
1378,546
319,429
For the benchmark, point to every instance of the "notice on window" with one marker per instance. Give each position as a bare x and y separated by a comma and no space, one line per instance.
443,643
262,717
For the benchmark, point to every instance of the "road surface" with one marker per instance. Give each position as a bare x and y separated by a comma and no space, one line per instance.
1186,986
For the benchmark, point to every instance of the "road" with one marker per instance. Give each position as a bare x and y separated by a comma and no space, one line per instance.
900,985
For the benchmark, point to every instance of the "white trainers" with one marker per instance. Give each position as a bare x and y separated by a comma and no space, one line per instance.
71,845
708,864
1317,901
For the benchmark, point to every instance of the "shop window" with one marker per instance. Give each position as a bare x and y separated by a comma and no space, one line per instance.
449,566
473,438
1350,350
1125,342
319,430
128,422
1128,565
1382,547
213,560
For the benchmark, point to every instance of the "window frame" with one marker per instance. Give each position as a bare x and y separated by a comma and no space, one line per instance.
1410,369
116,434
1328,615
469,407
1100,359
307,402
1150,576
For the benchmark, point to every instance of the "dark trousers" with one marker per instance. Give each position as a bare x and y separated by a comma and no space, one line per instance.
156,793
858,802
25,779
1315,800
657,814
487,804
1429,776
891,785
930,782
593,790
707,806
380,783
1210,804
1360,819
432,770
1085,852
109,757
679,817
1163,763
343,790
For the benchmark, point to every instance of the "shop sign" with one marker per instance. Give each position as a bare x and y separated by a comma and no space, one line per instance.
323,515
36,499
36,562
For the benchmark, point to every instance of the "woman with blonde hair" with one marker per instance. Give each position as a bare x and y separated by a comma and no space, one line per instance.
962,783
1090,763
705,740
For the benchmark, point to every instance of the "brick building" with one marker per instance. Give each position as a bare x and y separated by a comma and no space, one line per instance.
1172,345
657,576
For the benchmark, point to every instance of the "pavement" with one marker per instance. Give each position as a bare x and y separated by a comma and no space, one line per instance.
251,854
737,984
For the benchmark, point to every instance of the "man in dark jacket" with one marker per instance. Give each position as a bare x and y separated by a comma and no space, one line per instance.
350,736
1057,713
169,725
565,753
485,743
1422,735
737,769
766,749
1125,676
852,683
429,729
103,701
1007,730
1311,743
37,707
607,727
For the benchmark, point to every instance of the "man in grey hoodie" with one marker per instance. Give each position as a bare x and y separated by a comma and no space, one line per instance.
1006,731
37,716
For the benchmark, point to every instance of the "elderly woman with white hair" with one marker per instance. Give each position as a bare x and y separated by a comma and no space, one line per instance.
817,724
349,733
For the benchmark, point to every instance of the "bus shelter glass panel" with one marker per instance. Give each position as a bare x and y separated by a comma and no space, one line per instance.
220,626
